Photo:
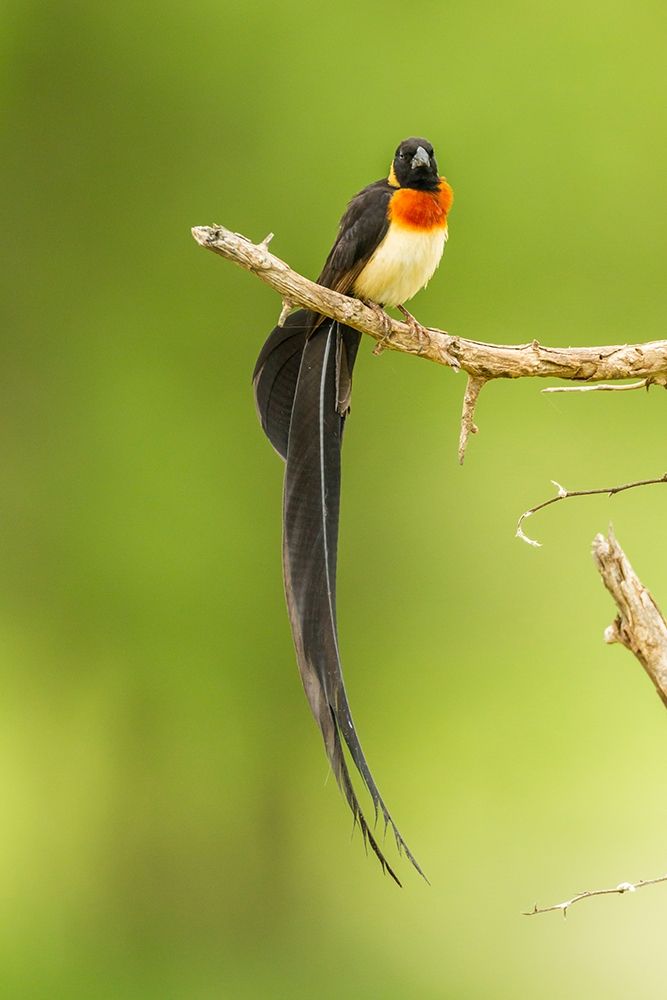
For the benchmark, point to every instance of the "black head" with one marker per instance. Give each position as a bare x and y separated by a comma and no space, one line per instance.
414,165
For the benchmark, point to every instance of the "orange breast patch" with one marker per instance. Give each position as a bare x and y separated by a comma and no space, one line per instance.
425,210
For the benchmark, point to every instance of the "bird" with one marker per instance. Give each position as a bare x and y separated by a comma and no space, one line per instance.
389,243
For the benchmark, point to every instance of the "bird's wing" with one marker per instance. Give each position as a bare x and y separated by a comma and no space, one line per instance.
310,538
361,230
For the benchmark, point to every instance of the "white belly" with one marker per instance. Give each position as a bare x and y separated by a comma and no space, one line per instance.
403,263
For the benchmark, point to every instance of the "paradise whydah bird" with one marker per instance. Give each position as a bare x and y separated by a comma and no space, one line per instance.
389,243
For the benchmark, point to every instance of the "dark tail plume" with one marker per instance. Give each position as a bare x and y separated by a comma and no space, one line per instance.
302,387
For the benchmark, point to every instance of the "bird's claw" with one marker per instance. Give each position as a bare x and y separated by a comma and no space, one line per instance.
417,330
386,326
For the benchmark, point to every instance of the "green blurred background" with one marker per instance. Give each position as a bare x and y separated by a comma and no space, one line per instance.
168,830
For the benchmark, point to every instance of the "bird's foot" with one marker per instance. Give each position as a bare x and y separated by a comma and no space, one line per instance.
417,330
386,327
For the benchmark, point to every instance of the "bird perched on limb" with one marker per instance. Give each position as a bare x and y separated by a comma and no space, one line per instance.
389,243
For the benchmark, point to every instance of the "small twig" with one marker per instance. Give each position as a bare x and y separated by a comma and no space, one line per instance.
599,387
564,494
639,625
621,888
473,388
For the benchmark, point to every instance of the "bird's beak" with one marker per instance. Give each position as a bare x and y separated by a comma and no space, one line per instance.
420,159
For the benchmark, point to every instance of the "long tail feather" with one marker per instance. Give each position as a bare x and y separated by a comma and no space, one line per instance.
310,538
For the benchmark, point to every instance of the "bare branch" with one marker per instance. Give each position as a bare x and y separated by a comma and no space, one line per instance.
640,625
297,290
564,494
621,888
485,361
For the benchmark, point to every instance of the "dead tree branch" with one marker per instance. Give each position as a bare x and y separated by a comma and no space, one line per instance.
481,361
484,361
639,625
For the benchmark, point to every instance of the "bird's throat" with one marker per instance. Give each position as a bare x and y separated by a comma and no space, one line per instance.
421,210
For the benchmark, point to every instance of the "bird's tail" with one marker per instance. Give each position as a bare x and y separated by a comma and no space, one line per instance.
302,388
275,376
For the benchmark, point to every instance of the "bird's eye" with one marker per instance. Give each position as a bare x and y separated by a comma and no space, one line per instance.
401,156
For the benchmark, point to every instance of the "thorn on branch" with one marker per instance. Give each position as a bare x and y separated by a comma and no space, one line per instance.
612,632
285,311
